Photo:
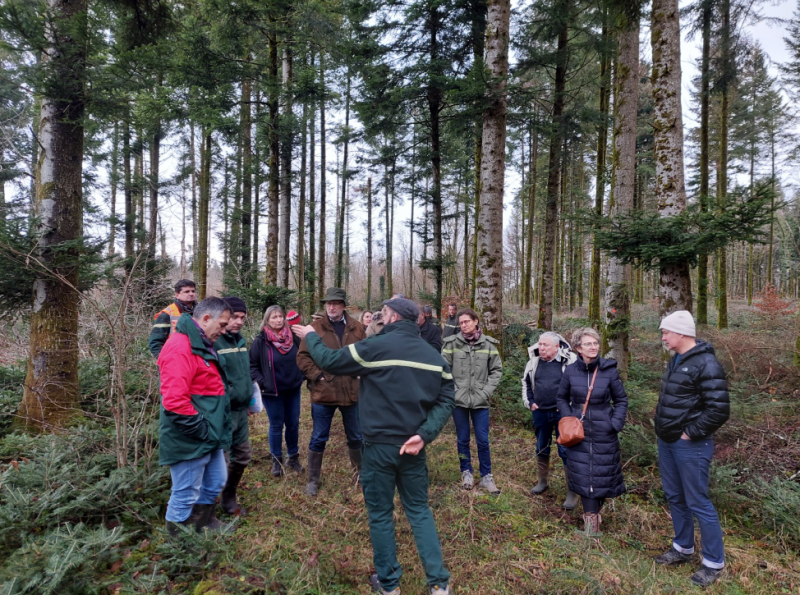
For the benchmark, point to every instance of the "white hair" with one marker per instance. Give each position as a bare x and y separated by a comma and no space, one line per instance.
552,337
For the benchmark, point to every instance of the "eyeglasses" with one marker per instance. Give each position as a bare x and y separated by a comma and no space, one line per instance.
592,344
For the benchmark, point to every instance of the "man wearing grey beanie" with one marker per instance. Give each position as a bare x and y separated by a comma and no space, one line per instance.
693,404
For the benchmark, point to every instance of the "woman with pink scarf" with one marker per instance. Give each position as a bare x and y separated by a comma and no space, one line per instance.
273,366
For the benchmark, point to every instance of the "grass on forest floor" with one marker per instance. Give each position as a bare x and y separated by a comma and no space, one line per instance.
512,543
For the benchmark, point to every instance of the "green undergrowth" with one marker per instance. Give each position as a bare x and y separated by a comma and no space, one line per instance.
72,522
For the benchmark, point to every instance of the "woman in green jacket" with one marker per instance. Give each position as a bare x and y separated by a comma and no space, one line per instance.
477,368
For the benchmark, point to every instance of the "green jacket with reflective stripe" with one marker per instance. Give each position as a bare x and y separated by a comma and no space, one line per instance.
234,357
477,369
406,387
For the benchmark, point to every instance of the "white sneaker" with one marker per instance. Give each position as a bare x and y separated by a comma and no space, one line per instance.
487,483
436,589
467,481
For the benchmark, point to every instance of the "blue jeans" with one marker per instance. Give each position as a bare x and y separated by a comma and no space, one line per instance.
196,481
283,412
684,466
480,422
323,416
544,424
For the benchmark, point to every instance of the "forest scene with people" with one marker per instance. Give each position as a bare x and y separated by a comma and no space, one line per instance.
362,296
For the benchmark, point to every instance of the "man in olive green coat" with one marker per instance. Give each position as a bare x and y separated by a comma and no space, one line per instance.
477,369
234,358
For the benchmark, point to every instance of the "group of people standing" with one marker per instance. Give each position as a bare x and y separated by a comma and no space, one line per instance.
396,379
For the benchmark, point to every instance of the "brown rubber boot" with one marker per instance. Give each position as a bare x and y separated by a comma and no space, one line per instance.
355,463
543,464
314,471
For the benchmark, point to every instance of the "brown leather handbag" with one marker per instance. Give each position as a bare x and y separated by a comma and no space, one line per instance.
570,428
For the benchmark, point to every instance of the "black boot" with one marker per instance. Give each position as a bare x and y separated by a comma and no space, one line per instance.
355,463
210,522
195,518
229,503
314,471
293,463
277,466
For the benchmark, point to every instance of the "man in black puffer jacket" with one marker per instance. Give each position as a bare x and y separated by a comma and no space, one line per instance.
692,405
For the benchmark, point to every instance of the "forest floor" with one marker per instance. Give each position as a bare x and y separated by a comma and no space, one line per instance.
72,521
518,543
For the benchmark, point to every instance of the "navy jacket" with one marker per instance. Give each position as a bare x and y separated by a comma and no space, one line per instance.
595,466
694,396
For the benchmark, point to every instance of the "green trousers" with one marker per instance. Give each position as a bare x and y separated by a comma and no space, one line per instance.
241,452
383,470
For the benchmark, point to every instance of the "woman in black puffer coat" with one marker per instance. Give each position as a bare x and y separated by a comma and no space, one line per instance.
595,467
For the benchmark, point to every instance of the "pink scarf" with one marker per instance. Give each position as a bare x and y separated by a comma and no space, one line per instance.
282,340
472,338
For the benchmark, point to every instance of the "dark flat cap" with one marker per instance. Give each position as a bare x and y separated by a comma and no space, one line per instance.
405,308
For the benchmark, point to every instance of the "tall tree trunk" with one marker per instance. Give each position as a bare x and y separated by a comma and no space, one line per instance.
343,209
600,186
256,171
138,190
626,98
369,243
479,10
322,186
273,226
534,156
312,207
155,158
202,215
247,183
388,230
554,175
128,191
51,389
675,283
702,264
722,183
301,212
112,236
489,295
286,168
193,164
435,98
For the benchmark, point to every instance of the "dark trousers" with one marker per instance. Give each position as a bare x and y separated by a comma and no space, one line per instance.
684,467
241,453
384,470
323,417
283,412
545,422
480,422
592,504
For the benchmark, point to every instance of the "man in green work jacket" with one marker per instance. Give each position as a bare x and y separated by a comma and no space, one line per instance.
406,396
234,358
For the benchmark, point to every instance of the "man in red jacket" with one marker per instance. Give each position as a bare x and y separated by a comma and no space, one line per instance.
195,421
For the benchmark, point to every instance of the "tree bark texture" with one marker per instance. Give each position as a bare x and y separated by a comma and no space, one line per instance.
722,182
202,215
287,134
322,185
545,319
273,198
675,285
51,392
489,291
626,98
247,183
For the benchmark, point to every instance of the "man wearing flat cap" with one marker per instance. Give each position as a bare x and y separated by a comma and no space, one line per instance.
329,390
693,404
406,398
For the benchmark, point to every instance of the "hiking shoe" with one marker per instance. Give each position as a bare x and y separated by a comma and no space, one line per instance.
706,576
467,481
376,586
437,590
293,463
277,466
673,557
487,483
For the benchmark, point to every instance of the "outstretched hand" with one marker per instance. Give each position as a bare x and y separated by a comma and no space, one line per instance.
302,331
412,446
